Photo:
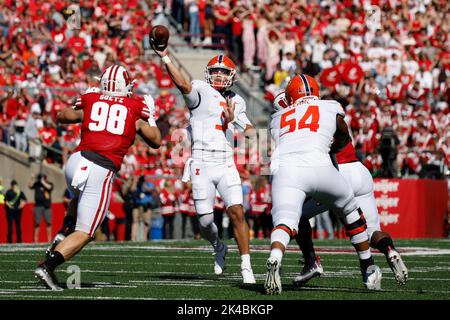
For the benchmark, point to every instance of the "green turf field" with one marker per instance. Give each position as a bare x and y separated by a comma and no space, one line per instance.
184,270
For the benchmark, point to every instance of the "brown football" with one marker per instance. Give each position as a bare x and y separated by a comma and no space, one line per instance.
159,36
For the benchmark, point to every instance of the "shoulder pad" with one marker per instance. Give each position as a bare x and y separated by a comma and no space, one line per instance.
198,83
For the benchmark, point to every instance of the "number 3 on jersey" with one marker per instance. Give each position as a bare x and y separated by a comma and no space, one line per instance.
112,118
310,120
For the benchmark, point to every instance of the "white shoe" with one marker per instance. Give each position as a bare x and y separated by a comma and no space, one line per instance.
247,275
372,278
397,266
219,263
273,280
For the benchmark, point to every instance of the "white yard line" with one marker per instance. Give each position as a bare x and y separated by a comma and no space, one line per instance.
409,251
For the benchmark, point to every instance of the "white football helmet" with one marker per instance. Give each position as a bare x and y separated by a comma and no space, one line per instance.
280,102
116,82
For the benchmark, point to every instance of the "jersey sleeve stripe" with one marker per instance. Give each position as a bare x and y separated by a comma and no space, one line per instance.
199,101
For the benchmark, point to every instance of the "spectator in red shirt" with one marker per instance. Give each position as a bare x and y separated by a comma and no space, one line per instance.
76,43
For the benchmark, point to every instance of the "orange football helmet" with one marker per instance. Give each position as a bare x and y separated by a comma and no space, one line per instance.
301,86
220,72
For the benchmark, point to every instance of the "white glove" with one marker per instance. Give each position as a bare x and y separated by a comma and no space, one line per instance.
150,110
92,89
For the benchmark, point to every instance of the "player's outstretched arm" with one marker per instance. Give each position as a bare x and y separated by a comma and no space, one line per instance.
70,115
151,135
181,82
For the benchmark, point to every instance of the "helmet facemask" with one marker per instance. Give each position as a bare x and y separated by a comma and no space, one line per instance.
220,78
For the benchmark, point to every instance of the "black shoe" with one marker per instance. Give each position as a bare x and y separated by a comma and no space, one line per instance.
309,272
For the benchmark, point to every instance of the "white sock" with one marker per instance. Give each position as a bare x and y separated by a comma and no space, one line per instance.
363,255
245,261
209,231
277,254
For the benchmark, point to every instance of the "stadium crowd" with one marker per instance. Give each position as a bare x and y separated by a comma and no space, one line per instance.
387,62
393,80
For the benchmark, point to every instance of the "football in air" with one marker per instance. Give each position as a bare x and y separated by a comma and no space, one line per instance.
159,37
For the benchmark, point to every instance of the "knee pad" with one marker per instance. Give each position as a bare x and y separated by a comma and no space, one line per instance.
205,220
290,231
283,234
280,235
356,227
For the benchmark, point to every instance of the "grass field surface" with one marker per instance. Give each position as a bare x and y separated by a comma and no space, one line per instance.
184,270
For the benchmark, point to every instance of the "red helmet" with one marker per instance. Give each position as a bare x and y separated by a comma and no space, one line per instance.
301,86
220,72
280,103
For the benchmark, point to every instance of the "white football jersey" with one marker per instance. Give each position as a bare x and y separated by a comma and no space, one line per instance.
303,133
212,136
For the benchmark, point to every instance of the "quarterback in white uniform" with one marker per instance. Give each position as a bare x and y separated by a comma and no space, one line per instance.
215,112
301,167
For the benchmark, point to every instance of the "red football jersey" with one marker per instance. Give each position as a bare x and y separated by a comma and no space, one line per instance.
109,124
347,154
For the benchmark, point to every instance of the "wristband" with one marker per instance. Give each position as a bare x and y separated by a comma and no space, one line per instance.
166,59
151,121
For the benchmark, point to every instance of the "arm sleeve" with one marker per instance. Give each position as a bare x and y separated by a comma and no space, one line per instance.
79,104
339,110
193,98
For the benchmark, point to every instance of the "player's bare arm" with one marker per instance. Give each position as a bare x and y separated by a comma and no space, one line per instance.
151,135
70,115
342,135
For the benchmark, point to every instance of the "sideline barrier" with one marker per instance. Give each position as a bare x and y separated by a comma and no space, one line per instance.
408,208
412,208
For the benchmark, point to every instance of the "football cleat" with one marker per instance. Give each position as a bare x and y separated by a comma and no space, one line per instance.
219,263
397,266
273,280
57,239
372,278
309,272
47,278
247,275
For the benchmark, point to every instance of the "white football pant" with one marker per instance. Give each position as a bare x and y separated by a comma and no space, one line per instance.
291,185
206,177
92,186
